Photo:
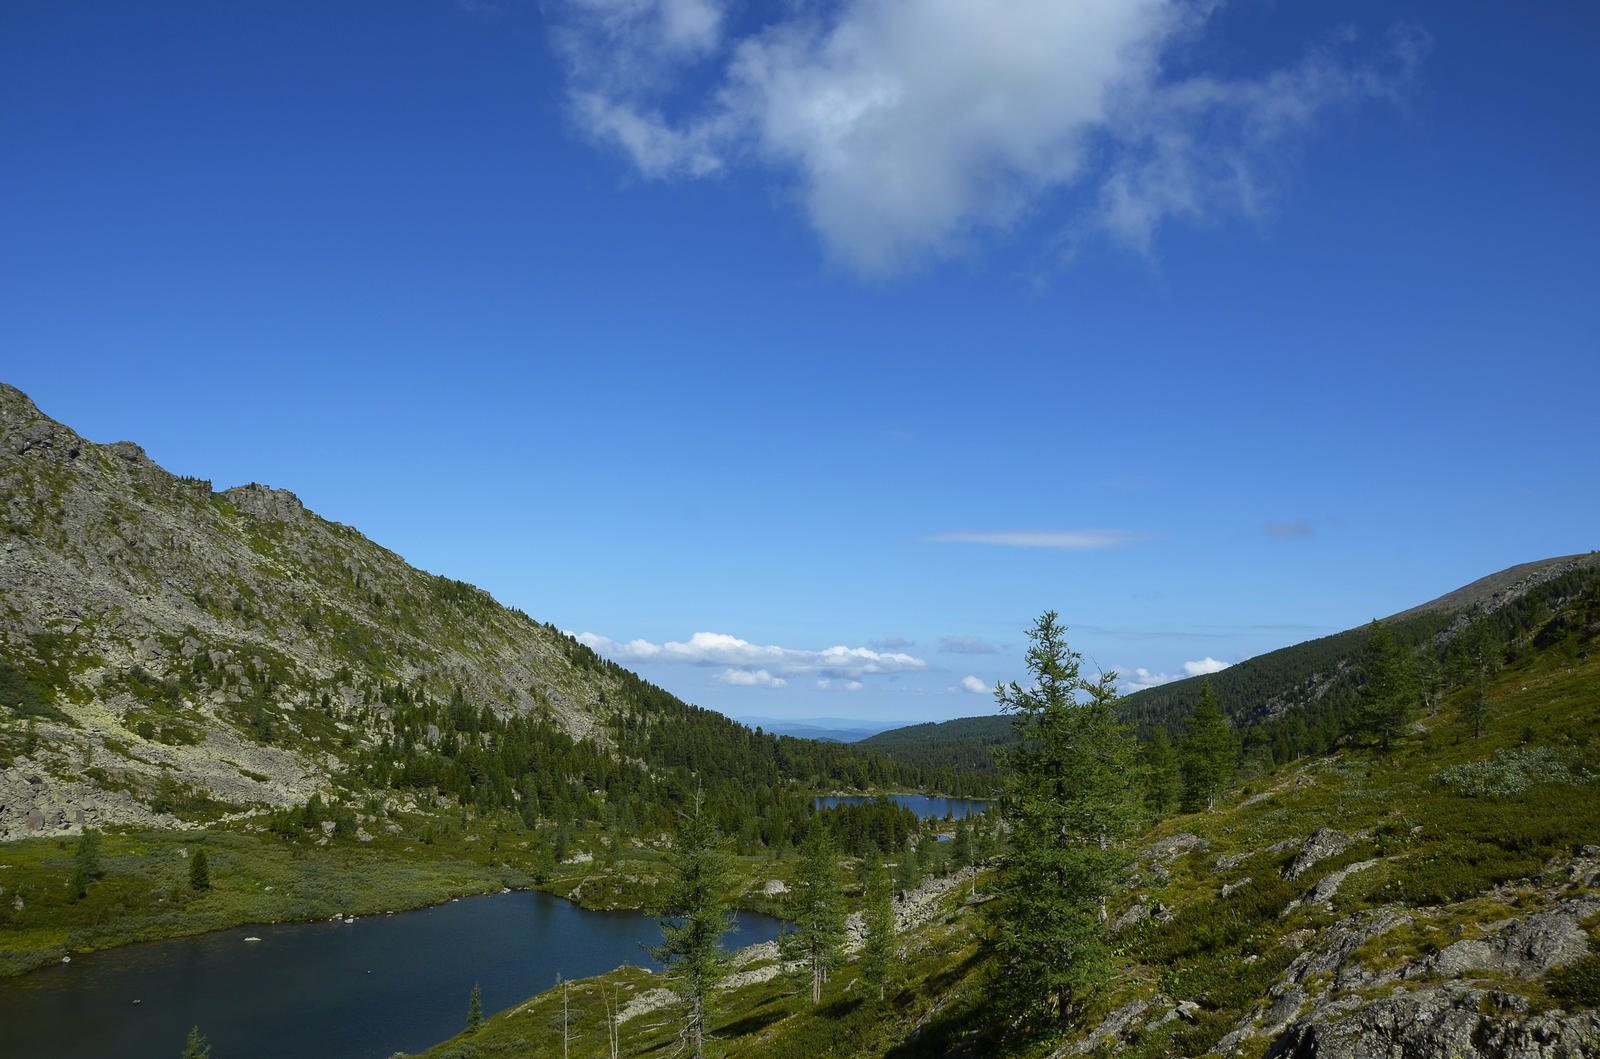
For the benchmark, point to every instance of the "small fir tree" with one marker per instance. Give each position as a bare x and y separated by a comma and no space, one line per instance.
199,871
1477,658
475,1009
816,909
196,1047
877,955
961,848
693,918
87,856
908,870
1208,754
314,812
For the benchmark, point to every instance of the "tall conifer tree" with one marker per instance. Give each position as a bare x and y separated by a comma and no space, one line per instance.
1069,799
1163,778
1207,754
1390,693
816,909
877,956
693,918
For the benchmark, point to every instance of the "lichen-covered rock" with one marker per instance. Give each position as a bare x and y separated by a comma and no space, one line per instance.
1524,947
1324,844
1451,1021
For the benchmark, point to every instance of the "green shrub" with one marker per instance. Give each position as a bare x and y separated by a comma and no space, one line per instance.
1577,983
1513,772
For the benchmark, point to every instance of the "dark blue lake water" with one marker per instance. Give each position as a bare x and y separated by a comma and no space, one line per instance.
361,990
920,804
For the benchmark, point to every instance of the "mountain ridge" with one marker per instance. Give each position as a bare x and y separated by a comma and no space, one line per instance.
968,739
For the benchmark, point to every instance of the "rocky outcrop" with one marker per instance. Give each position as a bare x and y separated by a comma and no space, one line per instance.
1453,1003
1452,1021
1525,948
1324,844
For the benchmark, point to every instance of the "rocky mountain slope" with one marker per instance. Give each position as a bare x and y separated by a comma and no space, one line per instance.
161,641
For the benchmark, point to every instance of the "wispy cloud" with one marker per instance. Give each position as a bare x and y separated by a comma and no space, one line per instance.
908,128
964,645
891,643
1072,540
1140,679
752,665
1298,530
974,685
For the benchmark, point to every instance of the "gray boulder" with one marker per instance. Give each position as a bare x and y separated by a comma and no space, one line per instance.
1324,844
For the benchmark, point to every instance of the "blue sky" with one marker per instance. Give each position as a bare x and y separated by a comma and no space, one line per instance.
869,325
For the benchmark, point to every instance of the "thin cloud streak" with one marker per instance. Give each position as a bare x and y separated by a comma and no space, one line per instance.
1071,540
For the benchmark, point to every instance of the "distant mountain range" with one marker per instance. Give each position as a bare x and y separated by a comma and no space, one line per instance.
828,729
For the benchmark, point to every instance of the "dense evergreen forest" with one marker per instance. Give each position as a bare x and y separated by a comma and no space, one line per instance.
758,787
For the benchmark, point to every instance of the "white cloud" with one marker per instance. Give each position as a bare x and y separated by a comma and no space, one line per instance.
717,649
1072,540
974,685
745,679
1140,679
911,126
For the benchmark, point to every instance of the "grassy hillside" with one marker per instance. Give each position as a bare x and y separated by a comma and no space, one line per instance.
1297,699
1449,838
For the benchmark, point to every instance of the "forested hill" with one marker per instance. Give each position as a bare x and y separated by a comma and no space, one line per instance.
157,635
966,743
1319,679
1310,685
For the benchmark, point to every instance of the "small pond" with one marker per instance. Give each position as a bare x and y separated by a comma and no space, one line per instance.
921,804
330,990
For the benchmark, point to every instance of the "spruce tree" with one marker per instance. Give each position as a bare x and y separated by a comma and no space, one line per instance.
1163,777
1389,695
908,873
1208,754
877,956
87,855
693,918
1476,658
961,848
475,1009
816,908
1070,800
199,871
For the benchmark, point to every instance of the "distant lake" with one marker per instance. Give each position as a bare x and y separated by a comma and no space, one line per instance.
304,989
920,804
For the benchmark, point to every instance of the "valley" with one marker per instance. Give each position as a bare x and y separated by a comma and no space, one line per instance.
222,710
